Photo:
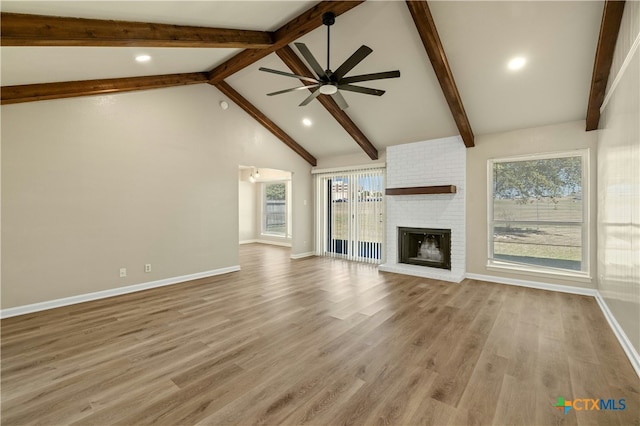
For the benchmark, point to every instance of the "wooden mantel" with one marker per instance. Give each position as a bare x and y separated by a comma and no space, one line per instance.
418,190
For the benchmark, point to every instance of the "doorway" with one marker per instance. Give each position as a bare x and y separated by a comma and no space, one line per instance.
264,205
352,215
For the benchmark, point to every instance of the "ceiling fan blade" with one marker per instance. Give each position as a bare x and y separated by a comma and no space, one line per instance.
311,97
308,56
340,100
353,60
279,92
365,90
369,77
288,74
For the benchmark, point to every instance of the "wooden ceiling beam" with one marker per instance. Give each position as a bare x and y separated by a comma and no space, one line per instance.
39,30
297,27
296,65
609,28
429,35
254,112
72,89
288,33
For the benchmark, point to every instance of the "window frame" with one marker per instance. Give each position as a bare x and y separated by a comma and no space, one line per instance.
530,269
287,216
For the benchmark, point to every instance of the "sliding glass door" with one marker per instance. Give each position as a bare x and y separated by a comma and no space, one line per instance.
351,219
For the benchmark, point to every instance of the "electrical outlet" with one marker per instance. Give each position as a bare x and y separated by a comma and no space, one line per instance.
147,267
123,272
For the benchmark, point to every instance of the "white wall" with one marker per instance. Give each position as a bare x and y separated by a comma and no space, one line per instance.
94,184
553,138
619,182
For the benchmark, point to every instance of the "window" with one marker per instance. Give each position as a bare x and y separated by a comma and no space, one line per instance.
538,213
275,209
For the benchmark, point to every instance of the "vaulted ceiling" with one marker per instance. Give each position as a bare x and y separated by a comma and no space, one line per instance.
452,57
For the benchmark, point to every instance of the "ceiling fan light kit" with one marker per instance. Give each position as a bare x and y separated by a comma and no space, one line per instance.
328,89
330,82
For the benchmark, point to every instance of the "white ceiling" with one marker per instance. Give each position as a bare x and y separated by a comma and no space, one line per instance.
557,38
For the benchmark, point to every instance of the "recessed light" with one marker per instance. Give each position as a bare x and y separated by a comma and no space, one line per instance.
306,122
143,58
516,63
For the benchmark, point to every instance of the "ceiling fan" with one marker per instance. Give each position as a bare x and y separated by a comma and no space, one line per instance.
331,82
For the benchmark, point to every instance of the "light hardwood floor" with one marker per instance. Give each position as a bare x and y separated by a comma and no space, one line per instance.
316,341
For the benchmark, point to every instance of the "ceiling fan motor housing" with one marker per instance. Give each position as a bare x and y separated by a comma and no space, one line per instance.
328,18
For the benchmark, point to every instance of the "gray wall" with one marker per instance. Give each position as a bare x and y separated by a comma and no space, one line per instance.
619,183
248,205
94,184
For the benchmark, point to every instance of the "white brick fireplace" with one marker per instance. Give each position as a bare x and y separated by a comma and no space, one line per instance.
430,163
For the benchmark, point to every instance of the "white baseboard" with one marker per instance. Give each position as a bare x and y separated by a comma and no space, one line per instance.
66,301
534,284
274,243
302,255
626,344
624,341
271,242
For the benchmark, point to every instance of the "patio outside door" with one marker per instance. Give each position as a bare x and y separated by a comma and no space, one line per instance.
353,213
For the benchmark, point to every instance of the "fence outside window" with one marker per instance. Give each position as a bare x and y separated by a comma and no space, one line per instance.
275,209
538,213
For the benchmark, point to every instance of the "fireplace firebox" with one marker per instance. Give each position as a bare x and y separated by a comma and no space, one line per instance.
425,247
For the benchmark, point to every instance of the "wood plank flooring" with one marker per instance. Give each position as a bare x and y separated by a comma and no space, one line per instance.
316,341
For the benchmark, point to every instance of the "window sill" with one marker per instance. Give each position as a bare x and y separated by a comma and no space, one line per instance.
560,275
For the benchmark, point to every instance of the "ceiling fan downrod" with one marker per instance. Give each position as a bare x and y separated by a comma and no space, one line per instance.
328,19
